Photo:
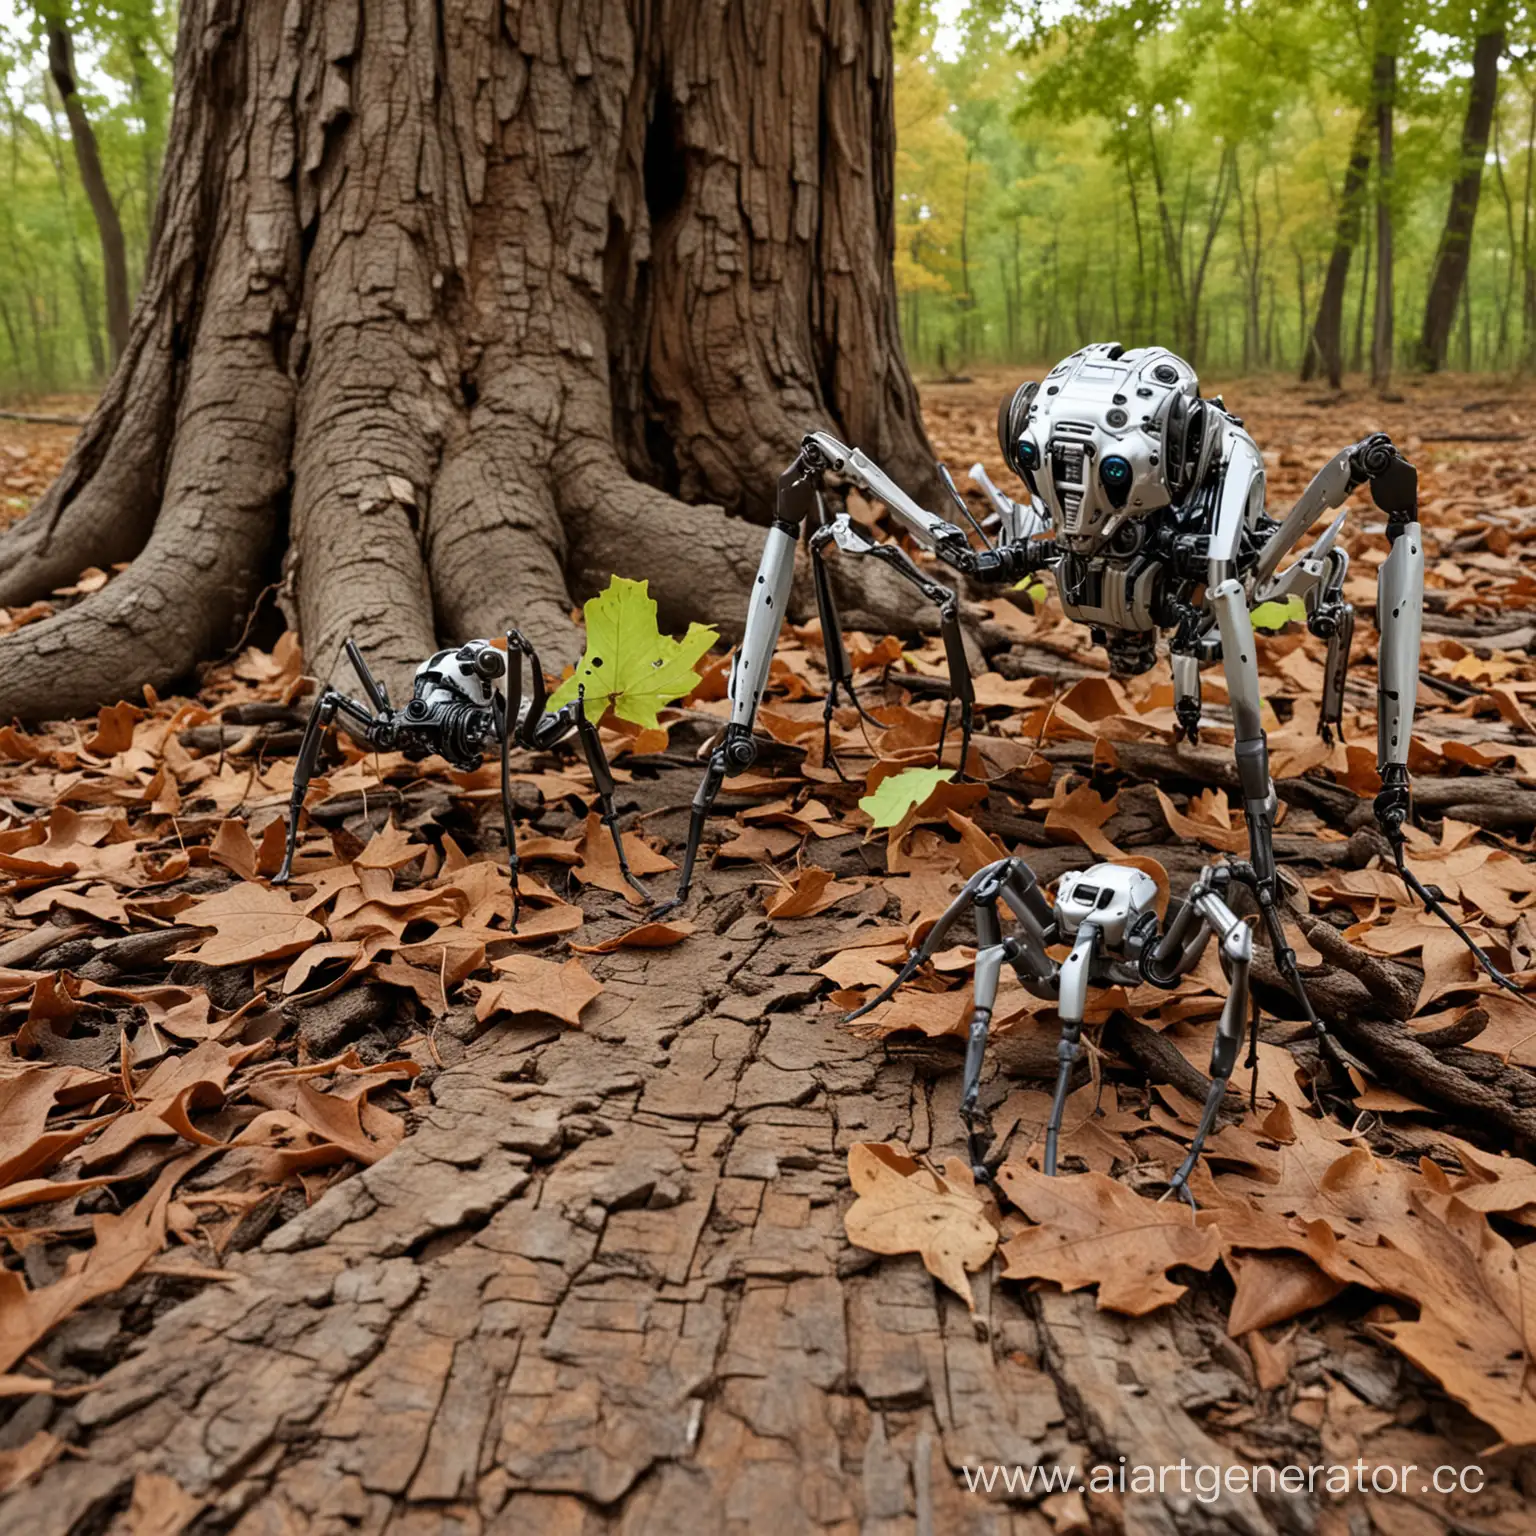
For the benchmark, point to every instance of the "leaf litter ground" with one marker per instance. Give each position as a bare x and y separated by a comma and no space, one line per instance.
200,1070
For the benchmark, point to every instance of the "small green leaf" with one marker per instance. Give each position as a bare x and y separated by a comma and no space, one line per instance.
630,667
1272,616
894,797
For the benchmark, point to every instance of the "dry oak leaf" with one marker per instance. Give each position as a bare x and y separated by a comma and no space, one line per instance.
74,844
529,985
1318,1173
1476,1329
251,922
1209,821
903,1207
599,861
1092,1231
124,1245
1081,814
813,891
642,936
390,848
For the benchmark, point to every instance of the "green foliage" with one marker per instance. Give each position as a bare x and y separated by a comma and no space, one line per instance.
1169,170
52,307
892,798
1273,616
630,667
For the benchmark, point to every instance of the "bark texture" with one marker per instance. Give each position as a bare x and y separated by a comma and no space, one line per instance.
1449,276
476,304
1325,348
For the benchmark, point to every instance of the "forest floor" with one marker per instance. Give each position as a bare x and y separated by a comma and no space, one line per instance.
347,1210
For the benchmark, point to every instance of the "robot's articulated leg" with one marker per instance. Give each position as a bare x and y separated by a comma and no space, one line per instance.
991,953
931,945
1076,970
839,668
602,778
510,708
1186,694
1330,719
327,702
1237,956
797,498
1239,653
961,689
1399,617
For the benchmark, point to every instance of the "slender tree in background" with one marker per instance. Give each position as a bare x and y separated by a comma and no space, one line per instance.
1325,345
1384,93
478,304
114,254
1454,252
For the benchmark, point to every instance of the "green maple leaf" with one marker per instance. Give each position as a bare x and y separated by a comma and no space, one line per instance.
892,798
1272,616
631,667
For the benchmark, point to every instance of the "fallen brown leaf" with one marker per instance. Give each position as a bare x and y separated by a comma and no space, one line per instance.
1092,1231
528,985
903,1207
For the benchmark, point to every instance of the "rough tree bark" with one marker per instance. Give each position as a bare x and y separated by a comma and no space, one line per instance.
114,256
1455,249
1325,347
477,303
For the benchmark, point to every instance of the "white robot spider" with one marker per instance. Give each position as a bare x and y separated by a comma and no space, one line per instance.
1146,503
463,703
1108,915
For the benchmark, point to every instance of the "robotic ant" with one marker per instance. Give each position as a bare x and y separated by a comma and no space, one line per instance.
1107,914
1146,503
462,702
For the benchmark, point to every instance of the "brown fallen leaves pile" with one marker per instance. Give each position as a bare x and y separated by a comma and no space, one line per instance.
191,1055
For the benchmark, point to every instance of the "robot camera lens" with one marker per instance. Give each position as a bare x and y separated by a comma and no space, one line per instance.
1029,455
1115,476
1166,373
1116,417
490,663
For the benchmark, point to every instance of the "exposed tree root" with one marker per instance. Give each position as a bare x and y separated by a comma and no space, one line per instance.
481,302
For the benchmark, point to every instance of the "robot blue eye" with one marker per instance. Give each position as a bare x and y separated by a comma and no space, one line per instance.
1029,454
1115,476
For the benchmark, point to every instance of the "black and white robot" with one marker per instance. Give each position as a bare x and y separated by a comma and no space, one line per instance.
1146,504
1108,915
464,703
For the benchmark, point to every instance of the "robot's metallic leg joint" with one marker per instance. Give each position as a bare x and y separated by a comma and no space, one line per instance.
1237,950
327,702
935,939
1076,973
991,953
1186,691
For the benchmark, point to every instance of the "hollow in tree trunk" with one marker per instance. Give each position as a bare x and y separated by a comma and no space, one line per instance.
460,309
1449,275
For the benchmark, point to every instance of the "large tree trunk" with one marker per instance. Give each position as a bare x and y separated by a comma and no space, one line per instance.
1325,347
1455,249
472,301
1384,93
114,257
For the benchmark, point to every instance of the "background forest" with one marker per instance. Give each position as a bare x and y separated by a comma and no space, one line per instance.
1332,185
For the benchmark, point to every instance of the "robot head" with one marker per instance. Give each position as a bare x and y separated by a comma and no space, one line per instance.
1115,898
1107,437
